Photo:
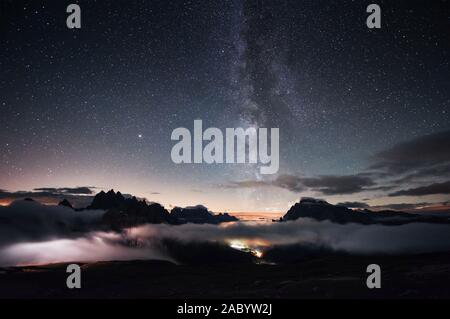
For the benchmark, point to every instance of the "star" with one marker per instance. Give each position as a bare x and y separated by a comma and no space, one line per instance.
272,66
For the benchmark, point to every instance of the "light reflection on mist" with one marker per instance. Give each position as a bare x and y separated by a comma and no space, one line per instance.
246,247
145,242
352,238
98,246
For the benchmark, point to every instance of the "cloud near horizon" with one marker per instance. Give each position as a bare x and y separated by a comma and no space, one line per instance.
353,204
432,189
418,167
421,157
325,184
85,190
78,196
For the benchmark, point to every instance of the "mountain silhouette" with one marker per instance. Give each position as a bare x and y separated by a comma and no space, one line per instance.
199,215
321,210
125,211
65,203
107,200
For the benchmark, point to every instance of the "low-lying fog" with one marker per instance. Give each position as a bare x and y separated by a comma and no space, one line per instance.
31,233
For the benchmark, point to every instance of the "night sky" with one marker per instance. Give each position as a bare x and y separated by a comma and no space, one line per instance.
363,113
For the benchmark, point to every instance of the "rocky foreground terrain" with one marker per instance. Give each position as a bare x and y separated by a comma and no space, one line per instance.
420,276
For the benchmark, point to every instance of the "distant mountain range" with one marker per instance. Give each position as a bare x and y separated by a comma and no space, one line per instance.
321,210
122,212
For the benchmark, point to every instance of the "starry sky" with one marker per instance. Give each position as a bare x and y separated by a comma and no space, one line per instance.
363,113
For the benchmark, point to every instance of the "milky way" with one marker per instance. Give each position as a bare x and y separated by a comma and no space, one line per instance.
96,106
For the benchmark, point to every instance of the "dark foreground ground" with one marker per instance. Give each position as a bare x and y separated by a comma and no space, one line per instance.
423,276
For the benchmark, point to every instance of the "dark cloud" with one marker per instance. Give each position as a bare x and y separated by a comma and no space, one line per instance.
420,158
425,155
336,185
85,190
46,195
381,188
354,204
408,207
421,207
426,174
327,185
402,206
290,182
433,189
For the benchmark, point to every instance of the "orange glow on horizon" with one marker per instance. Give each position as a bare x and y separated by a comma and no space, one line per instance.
5,202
